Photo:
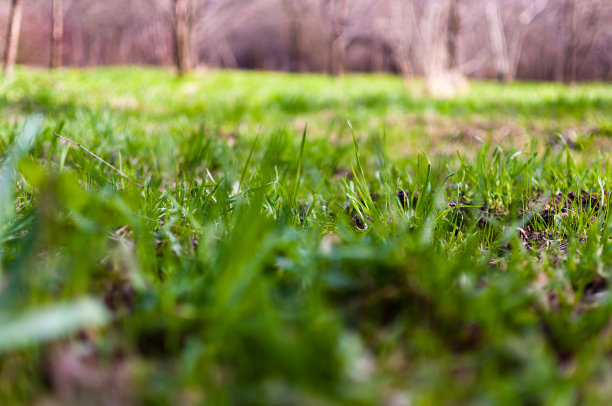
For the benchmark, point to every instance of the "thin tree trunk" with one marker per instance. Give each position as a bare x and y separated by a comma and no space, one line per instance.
498,40
12,37
336,14
337,58
571,48
57,34
182,36
294,10
454,27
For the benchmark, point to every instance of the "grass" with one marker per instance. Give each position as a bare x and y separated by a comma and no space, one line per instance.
428,252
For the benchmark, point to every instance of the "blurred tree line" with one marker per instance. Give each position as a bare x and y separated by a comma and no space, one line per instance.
443,40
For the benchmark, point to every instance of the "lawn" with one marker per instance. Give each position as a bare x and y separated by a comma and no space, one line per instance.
249,238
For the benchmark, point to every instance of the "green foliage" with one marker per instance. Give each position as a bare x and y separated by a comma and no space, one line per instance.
249,260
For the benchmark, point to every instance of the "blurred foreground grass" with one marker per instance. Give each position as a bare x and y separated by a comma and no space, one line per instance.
446,252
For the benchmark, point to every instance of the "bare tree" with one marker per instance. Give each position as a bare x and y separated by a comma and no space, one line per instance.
211,19
336,13
561,40
295,11
569,71
182,35
204,19
430,47
454,34
507,39
422,35
57,34
398,27
582,27
12,37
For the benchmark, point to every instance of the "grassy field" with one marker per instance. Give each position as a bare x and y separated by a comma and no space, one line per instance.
234,238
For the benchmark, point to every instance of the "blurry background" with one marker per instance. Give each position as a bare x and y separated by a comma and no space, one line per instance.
444,40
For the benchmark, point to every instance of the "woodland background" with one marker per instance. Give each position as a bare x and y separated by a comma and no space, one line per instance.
444,40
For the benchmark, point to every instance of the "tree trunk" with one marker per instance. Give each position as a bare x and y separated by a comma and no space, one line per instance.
182,36
454,27
295,11
336,14
497,37
571,48
337,58
12,37
57,34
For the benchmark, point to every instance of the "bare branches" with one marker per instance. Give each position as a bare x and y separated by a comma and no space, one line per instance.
533,9
507,43
423,36
497,37
562,40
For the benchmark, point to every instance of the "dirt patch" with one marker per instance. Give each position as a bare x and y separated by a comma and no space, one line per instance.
541,240
546,208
